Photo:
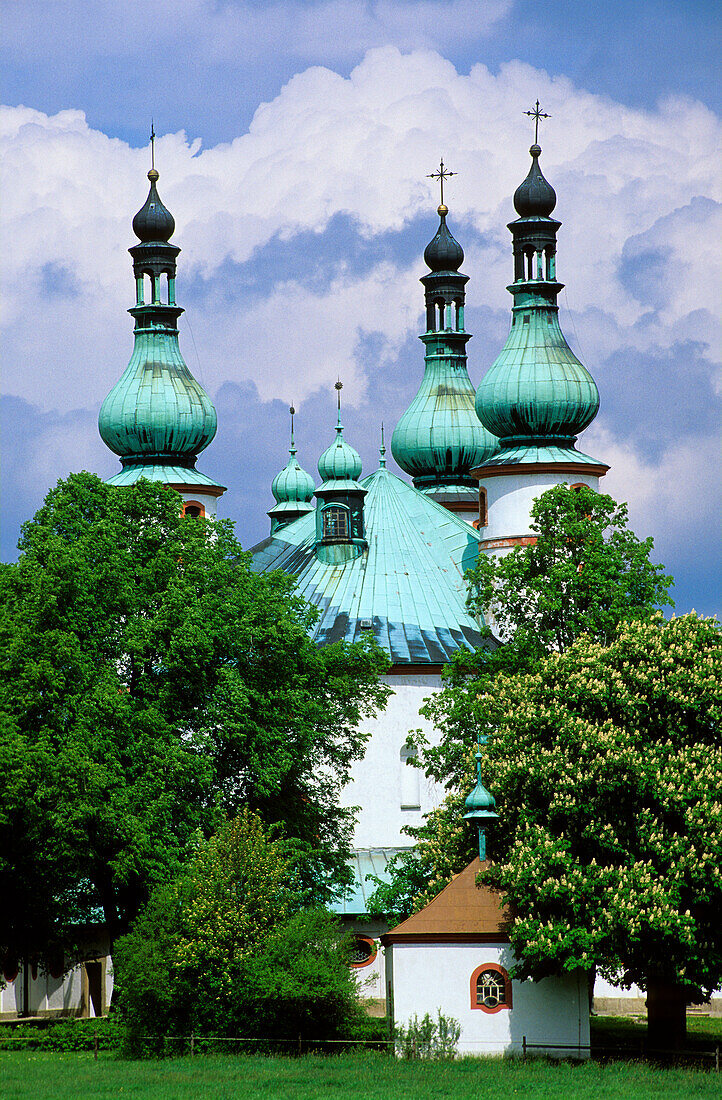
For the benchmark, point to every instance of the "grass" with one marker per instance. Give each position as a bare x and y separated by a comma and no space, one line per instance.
52,1076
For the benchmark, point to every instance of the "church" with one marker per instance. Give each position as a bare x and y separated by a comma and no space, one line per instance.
379,554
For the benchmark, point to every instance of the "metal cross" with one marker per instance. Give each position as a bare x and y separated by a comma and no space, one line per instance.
536,114
152,145
441,175
338,386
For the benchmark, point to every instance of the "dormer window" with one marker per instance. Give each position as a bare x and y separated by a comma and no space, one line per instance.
335,523
194,508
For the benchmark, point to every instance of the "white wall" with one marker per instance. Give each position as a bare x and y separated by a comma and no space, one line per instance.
379,783
429,977
510,497
208,501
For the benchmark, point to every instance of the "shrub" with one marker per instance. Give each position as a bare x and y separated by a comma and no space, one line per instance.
427,1038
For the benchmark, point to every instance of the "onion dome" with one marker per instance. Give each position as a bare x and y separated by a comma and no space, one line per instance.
535,197
157,417
443,252
438,439
339,462
537,393
292,484
153,222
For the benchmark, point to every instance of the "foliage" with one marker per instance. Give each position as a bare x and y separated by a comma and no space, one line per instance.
152,685
607,769
427,1038
227,950
585,573
66,1034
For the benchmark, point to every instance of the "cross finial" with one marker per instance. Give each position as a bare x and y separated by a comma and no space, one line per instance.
382,448
441,175
293,444
338,386
152,145
536,114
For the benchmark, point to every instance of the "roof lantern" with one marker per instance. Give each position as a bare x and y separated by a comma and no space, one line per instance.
292,489
340,531
157,417
439,438
480,805
537,396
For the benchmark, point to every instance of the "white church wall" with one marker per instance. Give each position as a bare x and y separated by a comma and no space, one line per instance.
67,995
389,792
208,502
510,498
553,1014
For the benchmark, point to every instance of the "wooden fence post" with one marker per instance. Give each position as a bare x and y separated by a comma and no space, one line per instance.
95,1046
193,1044
523,1047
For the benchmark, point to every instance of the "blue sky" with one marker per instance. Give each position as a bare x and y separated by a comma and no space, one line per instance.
294,142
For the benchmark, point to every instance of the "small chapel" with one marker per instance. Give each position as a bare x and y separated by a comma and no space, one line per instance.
383,554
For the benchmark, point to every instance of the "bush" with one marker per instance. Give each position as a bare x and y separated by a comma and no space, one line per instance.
229,950
66,1034
427,1038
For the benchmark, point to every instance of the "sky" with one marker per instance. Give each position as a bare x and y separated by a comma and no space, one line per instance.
294,143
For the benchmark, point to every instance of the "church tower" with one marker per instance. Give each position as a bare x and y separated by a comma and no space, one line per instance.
439,438
537,396
157,417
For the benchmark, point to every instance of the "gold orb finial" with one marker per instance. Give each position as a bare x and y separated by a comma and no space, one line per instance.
153,175
442,210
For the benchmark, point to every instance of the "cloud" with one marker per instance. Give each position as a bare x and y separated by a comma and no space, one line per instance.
302,242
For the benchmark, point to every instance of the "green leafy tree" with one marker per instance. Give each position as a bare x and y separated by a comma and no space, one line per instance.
227,950
152,686
606,766
585,573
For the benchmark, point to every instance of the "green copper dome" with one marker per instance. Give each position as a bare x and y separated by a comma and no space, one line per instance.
292,483
439,439
157,414
339,462
537,388
537,393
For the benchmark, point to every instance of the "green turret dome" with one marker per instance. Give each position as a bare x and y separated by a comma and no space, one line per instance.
339,462
537,393
439,438
292,484
157,415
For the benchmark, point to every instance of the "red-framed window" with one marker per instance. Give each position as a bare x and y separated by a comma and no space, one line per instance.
490,988
363,951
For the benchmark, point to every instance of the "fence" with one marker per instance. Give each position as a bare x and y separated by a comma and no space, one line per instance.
197,1044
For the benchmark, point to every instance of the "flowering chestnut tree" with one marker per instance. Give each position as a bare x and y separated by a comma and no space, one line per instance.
606,766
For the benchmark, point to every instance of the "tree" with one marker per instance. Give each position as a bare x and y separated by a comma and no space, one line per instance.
584,574
152,686
227,950
606,767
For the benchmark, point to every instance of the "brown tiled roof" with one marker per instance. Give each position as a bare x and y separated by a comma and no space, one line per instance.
462,912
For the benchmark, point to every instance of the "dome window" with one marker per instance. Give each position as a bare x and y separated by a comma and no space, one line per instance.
335,522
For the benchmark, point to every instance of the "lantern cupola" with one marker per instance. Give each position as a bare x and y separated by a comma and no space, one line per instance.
340,528
292,489
157,417
439,438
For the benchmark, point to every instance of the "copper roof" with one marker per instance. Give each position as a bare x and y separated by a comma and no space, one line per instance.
462,912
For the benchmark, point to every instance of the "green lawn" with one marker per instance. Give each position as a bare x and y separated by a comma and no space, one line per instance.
51,1076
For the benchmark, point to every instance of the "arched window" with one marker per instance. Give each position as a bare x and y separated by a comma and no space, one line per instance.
194,508
335,523
410,780
363,952
483,509
490,988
